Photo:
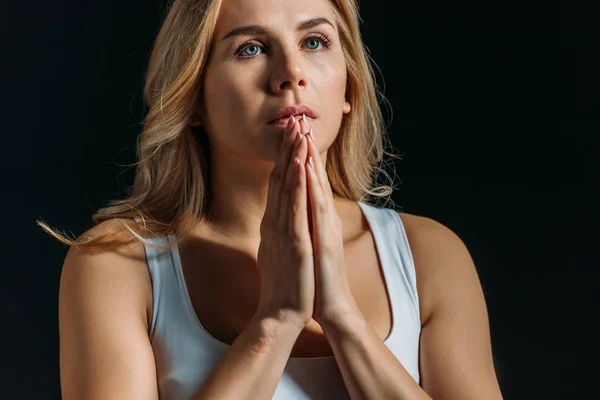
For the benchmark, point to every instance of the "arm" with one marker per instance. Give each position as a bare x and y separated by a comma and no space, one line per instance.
455,350
370,370
105,353
253,365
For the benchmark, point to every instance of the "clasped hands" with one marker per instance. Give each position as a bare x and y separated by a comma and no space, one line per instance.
333,297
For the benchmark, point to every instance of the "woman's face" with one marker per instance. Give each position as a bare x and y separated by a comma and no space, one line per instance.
254,75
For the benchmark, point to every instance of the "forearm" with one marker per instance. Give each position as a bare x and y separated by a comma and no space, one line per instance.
370,370
253,365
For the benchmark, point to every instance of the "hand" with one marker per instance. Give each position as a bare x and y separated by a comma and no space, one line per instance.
333,297
285,257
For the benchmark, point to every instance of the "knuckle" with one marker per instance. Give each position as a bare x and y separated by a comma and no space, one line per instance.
321,208
297,245
295,207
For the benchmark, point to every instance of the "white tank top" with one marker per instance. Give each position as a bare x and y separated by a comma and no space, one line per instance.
185,353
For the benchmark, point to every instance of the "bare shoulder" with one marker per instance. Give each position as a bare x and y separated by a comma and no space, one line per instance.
419,225
104,300
130,252
439,256
118,263
455,357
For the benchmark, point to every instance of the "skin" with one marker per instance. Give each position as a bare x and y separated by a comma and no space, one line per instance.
242,91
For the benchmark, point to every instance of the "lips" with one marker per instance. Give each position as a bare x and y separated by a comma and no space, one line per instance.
283,121
297,111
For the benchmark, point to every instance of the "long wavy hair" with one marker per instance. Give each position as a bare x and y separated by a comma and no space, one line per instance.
169,147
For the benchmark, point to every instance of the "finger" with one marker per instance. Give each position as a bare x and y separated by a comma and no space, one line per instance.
318,204
320,171
303,130
277,176
298,210
306,129
304,124
288,190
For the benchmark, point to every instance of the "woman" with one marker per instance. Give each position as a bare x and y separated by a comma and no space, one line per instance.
259,146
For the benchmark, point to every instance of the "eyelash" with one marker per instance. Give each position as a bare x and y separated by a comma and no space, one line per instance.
323,38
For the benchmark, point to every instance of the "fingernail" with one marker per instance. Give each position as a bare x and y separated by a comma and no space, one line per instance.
290,124
304,119
311,162
310,135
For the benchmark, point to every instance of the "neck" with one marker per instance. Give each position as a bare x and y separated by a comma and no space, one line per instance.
239,191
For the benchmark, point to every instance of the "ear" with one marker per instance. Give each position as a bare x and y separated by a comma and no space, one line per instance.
347,107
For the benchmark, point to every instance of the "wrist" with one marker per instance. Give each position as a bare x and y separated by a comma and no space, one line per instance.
267,334
343,321
278,319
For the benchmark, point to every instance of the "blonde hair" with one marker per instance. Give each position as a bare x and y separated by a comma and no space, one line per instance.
168,147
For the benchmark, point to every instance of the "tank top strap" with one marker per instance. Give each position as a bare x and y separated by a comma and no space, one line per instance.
167,291
392,244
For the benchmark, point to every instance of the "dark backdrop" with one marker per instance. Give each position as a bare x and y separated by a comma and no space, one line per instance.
494,108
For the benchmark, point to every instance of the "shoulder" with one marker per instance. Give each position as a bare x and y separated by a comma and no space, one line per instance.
440,258
455,349
426,234
424,228
118,269
112,240
103,321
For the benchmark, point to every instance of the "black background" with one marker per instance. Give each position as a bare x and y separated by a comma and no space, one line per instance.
495,108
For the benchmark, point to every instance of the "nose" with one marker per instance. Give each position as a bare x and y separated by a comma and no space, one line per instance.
289,72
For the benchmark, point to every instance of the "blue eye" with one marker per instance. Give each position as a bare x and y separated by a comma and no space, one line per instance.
252,46
315,39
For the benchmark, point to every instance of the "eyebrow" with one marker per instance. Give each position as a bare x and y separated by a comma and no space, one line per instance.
261,30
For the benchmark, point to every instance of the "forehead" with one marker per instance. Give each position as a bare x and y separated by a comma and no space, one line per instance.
277,14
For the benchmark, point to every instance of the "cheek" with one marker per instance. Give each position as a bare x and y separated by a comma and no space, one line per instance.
227,101
221,94
330,80
330,85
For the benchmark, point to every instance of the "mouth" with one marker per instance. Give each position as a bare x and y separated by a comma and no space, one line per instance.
283,121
